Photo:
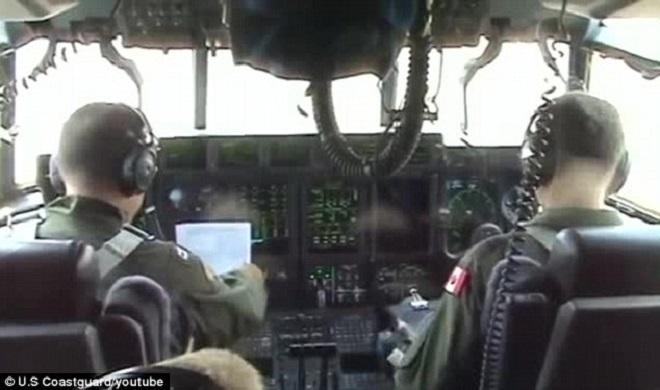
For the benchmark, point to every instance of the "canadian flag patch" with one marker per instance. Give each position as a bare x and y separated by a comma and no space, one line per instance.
458,281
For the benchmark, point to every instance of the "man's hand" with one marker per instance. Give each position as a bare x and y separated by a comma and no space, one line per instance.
253,272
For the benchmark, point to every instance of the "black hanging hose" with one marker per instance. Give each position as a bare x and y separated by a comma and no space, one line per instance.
493,359
394,155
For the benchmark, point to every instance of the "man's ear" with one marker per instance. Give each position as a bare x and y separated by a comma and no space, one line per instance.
55,176
620,176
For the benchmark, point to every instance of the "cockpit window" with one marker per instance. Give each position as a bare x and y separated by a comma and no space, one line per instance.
86,77
637,100
243,101
501,97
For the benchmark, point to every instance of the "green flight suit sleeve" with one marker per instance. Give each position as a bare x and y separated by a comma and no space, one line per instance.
448,356
224,308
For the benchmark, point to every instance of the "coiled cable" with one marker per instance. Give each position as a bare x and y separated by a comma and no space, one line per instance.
392,155
525,207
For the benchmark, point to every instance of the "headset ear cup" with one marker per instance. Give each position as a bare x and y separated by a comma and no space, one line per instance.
139,170
621,174
127,184
141,165
55,178
145,170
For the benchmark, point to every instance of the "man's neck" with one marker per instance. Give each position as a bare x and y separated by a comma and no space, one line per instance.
575,202
582,183
109,198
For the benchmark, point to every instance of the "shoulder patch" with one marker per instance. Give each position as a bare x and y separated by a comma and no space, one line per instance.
458,282
182,253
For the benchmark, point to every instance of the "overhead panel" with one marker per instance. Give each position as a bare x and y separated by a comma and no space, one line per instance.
33,10
298,39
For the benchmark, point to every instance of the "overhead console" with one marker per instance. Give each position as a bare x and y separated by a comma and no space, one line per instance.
336,249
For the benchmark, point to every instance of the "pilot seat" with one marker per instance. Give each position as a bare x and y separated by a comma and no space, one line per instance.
52,321
588,319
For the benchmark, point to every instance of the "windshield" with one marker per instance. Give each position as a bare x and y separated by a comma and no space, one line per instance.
242,101
637,101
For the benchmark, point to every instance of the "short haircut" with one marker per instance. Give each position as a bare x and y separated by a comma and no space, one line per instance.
584,126
96,140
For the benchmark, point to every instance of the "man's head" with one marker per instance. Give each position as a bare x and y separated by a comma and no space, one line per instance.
586,153
226,370
107,151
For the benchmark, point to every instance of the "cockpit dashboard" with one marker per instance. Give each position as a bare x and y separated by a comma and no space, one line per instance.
353,237
336,249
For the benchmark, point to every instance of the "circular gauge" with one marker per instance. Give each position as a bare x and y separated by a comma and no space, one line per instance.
468,209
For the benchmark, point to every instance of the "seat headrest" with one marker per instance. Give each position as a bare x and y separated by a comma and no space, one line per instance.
606,261
48,281
145,301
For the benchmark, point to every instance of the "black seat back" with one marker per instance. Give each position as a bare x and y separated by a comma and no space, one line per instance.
604,343
71,347
607,331
139,300
520,329
606,262
596,303
47,281
47,307
51,320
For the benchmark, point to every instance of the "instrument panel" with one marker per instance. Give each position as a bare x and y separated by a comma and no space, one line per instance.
471,203
264,206
331,217
340,241
336,250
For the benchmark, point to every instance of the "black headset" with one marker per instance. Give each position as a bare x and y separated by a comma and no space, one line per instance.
138,168
548,162
141,165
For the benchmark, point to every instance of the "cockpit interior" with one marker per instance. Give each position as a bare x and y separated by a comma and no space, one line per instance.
346,224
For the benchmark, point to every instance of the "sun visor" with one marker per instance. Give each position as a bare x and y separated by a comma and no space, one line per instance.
320,39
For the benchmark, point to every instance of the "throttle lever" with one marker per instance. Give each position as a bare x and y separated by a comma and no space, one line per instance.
417,302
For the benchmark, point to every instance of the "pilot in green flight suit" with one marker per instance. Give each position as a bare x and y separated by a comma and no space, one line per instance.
588,146
107,160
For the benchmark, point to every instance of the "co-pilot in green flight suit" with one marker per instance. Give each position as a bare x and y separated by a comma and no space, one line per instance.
448,355
219,309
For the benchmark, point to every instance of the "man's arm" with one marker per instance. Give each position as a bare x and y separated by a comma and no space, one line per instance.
449,355
224,308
